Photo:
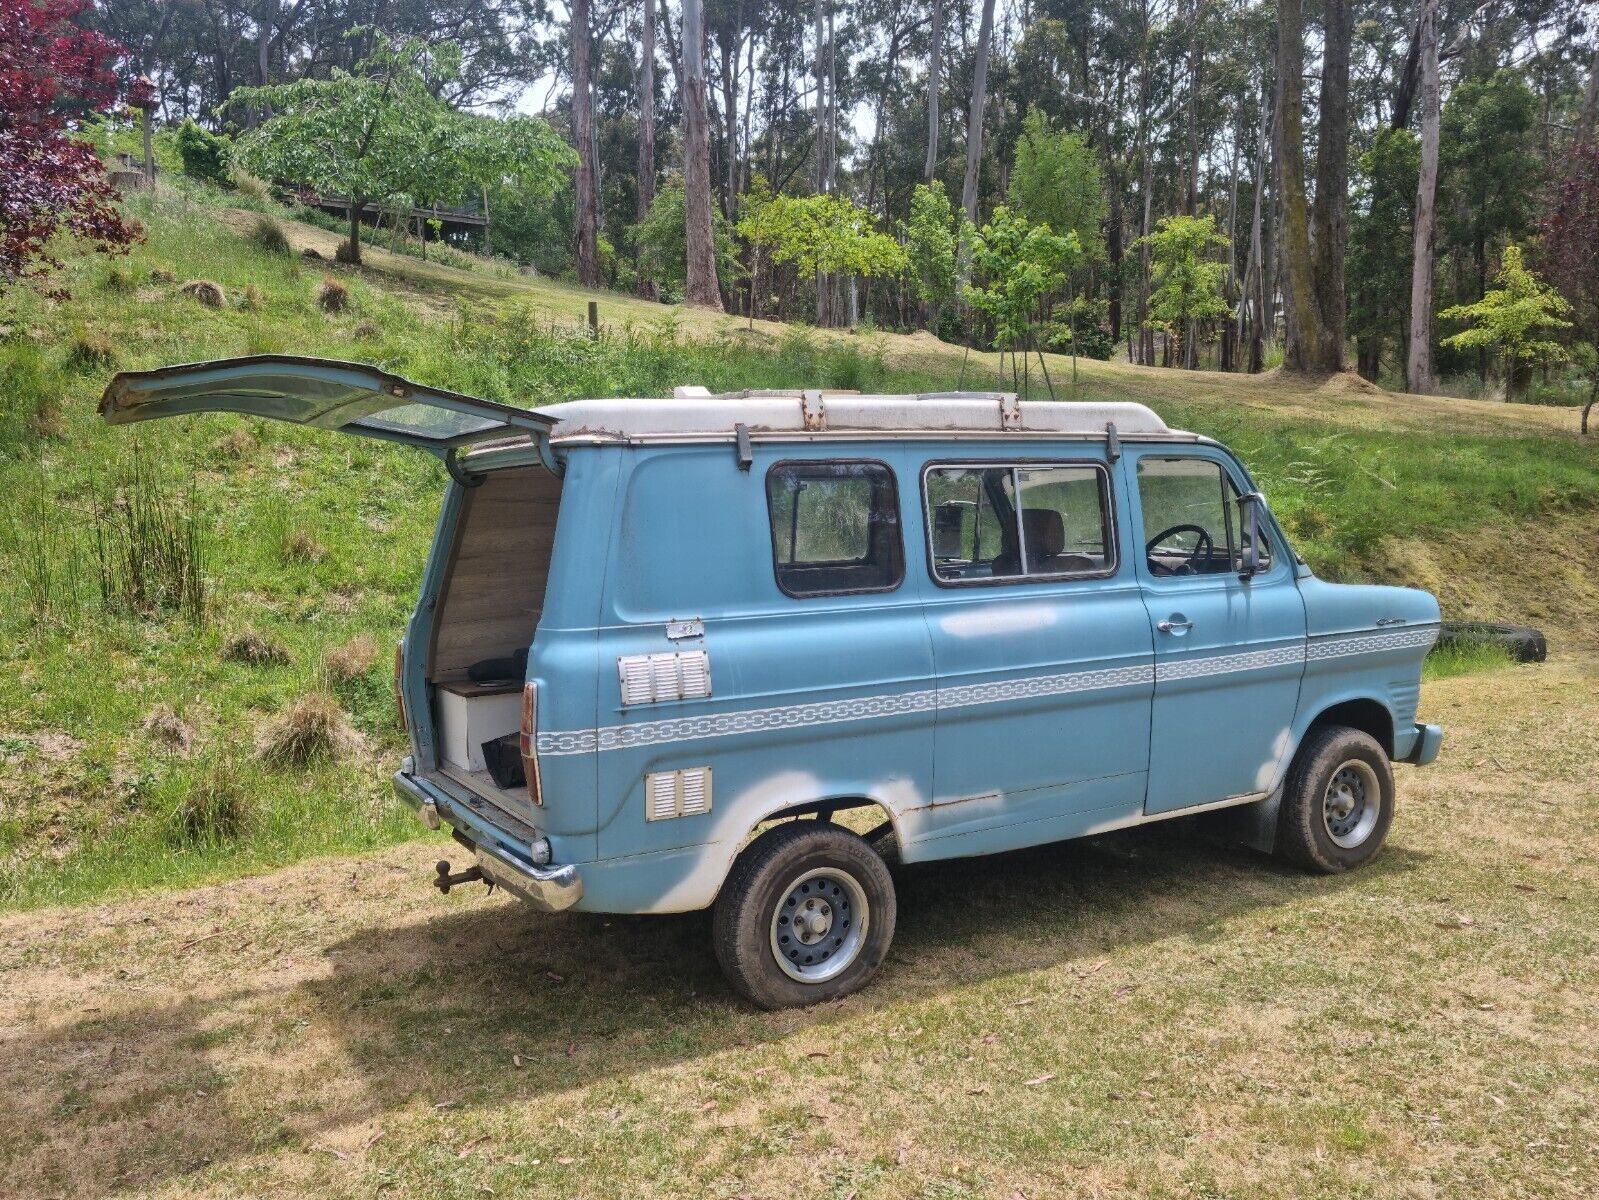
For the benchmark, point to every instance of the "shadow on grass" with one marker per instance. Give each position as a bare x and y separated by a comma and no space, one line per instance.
431,1011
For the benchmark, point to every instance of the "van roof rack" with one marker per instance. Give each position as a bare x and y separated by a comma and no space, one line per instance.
695,414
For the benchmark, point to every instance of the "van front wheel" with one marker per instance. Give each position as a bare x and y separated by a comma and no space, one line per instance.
807,914
1338,802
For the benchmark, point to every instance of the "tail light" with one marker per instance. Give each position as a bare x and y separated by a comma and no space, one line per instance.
399,685
528,743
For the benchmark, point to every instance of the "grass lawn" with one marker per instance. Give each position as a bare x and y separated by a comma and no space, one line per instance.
1142,1015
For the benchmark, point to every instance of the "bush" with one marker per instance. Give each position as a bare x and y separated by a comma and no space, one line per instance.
268,235
205,155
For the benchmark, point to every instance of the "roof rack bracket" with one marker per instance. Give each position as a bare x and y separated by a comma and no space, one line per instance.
1113,442
746,455
814,411
1010,411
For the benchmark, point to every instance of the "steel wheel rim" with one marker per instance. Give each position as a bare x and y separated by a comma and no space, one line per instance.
819,925
1352,803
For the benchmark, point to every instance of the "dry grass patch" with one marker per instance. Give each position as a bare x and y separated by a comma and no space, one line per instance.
352,660
203,291
167,728
332,296
255,647
300,546
309,730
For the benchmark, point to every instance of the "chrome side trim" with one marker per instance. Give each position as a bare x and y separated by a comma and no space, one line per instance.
830,712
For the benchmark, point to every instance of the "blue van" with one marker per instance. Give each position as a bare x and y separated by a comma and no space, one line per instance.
662,644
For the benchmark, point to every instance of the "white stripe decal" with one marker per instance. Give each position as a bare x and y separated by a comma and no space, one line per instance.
832,712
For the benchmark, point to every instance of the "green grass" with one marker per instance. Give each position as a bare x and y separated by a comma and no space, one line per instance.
1464,658
312,539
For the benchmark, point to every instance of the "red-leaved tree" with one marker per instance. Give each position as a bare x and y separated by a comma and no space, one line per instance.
54,73
1569,248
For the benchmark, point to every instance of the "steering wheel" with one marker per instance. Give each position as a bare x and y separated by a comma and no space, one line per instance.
1204,548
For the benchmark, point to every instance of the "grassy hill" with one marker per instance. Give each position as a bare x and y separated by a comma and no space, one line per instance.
196,618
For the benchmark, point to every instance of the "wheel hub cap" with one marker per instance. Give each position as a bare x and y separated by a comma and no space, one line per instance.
819,925
1352,804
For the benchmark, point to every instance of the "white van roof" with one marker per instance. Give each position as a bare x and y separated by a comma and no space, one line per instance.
694,414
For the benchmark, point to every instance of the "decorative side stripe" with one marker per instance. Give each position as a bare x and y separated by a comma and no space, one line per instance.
1344,644
832,712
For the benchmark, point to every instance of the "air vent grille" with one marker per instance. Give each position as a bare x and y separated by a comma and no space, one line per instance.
655,678
685,793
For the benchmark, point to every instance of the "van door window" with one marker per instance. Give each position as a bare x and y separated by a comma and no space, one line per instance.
835,528
981,532
1191,520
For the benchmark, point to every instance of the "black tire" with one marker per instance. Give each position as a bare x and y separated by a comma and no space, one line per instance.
1313,829
743,927
1522,643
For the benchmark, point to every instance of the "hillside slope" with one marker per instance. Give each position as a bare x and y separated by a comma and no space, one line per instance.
153,735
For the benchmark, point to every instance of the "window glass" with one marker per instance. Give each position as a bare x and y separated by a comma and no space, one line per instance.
835,528
980,532
1191,518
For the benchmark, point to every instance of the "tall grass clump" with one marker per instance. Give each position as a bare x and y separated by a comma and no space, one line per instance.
268,235
213,810
44,557
151,549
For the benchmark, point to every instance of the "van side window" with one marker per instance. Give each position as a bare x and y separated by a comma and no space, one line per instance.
835,527
1191,521
1018,522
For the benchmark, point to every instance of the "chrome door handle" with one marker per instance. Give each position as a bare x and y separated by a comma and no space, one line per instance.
1174,626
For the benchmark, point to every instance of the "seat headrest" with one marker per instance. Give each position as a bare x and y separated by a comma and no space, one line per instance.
1045,532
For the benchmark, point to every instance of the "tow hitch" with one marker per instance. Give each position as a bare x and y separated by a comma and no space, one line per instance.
446,880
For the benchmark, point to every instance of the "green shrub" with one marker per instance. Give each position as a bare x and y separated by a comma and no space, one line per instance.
205,155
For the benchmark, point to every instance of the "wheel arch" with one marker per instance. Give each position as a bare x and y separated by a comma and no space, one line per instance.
1369,715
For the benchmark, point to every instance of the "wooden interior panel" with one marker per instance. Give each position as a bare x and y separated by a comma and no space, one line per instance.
493,586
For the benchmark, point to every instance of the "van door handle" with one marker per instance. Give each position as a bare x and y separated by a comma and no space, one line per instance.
1170,626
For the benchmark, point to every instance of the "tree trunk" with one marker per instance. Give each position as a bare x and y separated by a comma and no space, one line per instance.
974,122
1301,312
935,64
1114,252
1146,335
646,131
701,288
826,144
1418,364
357,203
1590,103
587,231
1332,185
488,228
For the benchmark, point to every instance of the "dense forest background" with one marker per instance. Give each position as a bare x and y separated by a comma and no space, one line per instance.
1230,184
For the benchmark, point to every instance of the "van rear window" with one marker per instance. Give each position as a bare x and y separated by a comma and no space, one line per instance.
835,527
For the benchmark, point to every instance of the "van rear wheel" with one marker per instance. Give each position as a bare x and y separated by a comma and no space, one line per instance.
806,915
1338,801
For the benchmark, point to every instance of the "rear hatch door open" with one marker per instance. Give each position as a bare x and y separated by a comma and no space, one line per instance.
324,393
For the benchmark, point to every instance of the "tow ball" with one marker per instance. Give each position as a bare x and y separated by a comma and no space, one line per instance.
446,879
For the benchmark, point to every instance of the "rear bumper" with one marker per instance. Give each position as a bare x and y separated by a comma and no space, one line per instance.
1428,741
548,889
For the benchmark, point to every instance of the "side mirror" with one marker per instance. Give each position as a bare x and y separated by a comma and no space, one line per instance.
947,522
1249,506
